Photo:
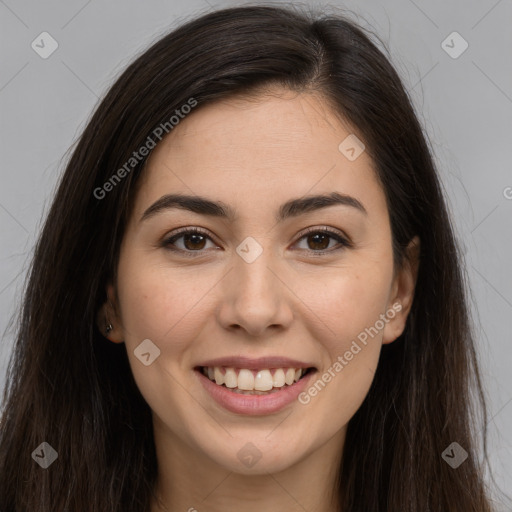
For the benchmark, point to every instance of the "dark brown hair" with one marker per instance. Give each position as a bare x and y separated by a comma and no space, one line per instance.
70,387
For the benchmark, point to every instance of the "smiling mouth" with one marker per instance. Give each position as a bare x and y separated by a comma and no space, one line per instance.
254,382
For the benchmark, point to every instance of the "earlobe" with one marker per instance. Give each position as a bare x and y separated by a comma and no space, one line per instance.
108,321
403,292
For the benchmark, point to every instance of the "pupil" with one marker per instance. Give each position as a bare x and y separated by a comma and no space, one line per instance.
325,239
194,237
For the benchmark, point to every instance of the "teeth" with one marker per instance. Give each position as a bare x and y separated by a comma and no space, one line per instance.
263,381
240,392
279,378
230,378
289,376
254,381
245,380
219,377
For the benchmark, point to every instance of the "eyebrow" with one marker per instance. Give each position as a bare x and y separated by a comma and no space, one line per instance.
292,208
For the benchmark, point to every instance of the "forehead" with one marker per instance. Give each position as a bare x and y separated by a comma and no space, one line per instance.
248,149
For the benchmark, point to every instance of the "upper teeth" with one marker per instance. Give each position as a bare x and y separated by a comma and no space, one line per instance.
248,380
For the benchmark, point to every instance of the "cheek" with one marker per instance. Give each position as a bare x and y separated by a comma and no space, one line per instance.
158,304
352,309
355,307
352,350
354,304
158,307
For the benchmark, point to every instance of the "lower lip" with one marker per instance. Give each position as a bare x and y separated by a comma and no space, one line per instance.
254,404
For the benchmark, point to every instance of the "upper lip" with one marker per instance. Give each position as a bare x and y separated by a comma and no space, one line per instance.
256,364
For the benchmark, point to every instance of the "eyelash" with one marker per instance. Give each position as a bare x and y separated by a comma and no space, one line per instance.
167,243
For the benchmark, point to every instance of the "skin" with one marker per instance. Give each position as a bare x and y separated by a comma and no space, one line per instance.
255,155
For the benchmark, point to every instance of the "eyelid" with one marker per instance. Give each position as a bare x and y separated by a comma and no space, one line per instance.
328,231
179,232
343,240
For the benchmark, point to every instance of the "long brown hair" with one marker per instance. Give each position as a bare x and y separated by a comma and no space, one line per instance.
71,388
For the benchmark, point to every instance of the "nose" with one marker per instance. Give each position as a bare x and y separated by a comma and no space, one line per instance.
255,296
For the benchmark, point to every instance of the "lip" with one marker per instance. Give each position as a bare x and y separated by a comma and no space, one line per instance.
254,405
258,363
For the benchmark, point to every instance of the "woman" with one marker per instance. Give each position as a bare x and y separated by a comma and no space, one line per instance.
247,294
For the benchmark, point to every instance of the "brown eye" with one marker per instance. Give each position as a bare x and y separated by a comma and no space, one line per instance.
194,240
318,240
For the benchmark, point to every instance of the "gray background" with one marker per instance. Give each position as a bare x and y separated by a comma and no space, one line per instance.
464,103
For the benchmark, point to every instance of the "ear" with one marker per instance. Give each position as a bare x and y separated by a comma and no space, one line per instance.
402,292
108,316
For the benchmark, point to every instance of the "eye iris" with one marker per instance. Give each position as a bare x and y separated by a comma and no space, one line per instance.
194,241
325,239
194,237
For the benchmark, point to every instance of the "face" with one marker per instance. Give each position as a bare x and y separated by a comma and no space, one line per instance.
261,286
